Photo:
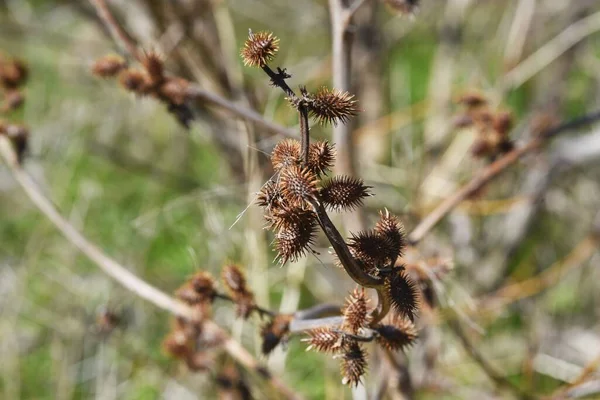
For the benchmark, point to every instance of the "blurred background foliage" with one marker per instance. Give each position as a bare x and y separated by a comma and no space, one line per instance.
163,200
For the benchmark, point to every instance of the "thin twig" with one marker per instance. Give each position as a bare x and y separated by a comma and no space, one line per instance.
195,91
491,171
116,32
122,275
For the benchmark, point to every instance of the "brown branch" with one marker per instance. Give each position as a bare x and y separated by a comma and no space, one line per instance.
491,171
122,275
196,92
116,32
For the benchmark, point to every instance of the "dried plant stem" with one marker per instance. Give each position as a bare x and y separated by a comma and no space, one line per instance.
122,275
341,13
118,34
490,172
341,249
278,79
195,91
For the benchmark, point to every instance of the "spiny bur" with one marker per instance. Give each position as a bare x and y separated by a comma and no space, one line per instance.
259,49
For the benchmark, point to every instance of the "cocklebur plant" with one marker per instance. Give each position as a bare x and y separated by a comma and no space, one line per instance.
295,202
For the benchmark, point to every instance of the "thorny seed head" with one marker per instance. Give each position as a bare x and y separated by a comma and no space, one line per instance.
325,340
397,333
234,279
403,293
354,364
356,311
270,197
503,123
321,157
298,184
13,73
134,80
472,100
174,90
390,228
13,99
285,154
344,193
332,106
109,66
370,248
274,331
154,65
179,343
294,241
204,285
295,218
259,49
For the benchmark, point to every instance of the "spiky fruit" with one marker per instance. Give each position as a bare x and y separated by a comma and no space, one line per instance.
298,185
285,154
332,106
354,364
344,193
321,157
356,311
397,334
403,293
259,49
325,340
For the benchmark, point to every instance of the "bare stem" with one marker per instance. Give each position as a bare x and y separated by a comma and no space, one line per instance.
116,32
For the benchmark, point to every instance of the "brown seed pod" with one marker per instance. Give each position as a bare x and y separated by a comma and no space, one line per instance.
298,185
391,229
472,100
294,218
134,80
13,99
179,344
370,248
154,65
354,364
321,157
356,311
174,90
234,279
397,334
13,73
204,285
403,293
259,49
286,154
294,241
109,66
270,197
325,340
274,331
344,193
332,106
503,123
